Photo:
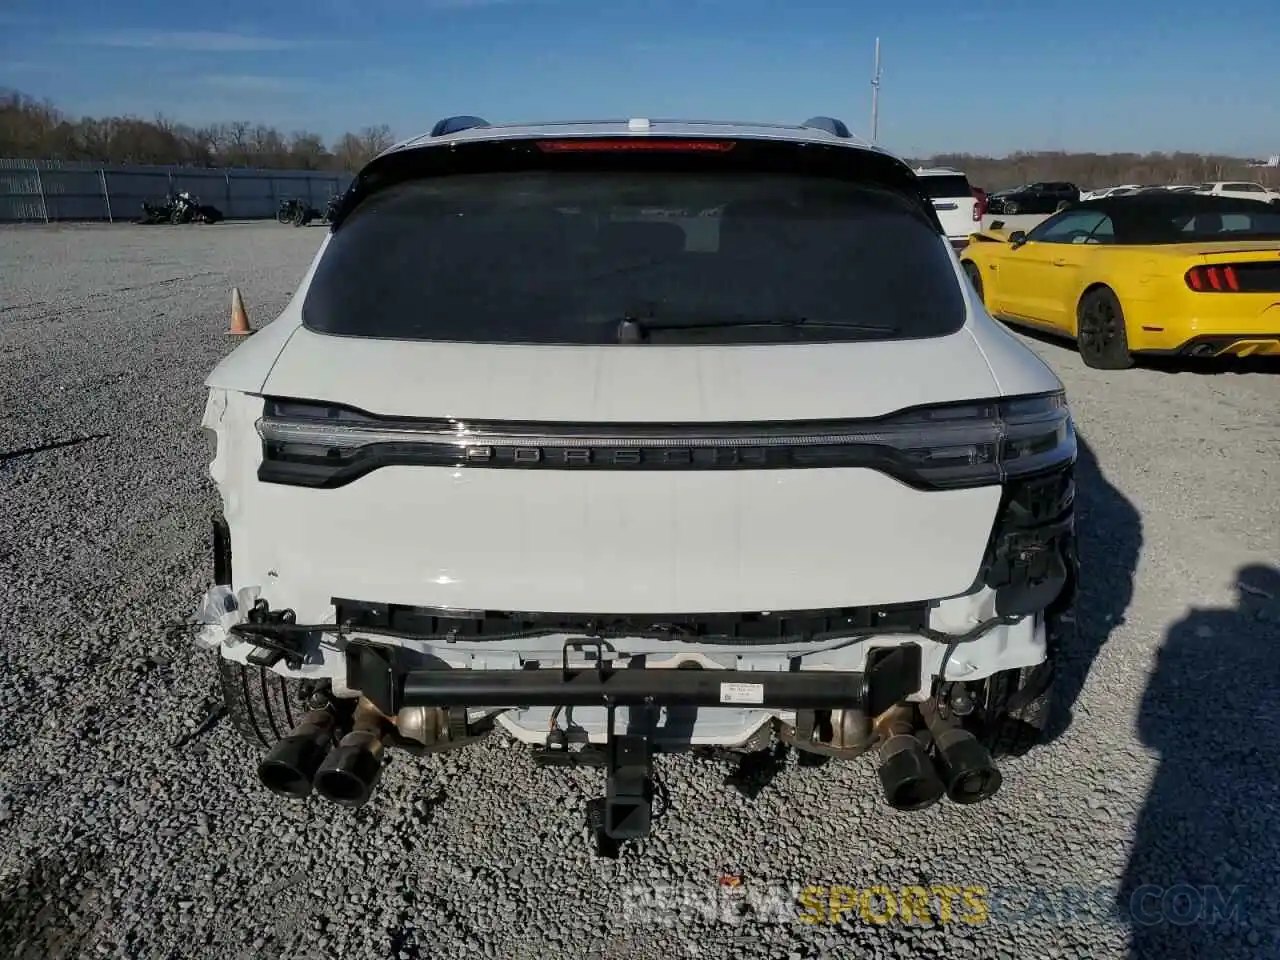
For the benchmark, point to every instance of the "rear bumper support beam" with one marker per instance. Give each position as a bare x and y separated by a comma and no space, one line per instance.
892,675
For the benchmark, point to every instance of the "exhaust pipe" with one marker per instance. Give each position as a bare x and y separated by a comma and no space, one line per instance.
907,776
966,768
350,771
290,765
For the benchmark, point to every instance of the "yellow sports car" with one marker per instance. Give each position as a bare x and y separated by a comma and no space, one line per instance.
1151,273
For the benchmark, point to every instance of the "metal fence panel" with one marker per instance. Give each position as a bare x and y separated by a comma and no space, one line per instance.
48,190
73,194
21,199
127,189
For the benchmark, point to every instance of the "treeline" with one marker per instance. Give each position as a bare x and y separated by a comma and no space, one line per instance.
1090,171
37,130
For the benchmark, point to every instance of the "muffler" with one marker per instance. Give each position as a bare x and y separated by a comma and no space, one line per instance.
964,764
350,771
907,775
291,763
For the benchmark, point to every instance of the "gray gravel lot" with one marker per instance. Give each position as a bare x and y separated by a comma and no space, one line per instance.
128,829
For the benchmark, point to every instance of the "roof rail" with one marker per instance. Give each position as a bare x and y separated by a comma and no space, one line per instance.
454,124
830,124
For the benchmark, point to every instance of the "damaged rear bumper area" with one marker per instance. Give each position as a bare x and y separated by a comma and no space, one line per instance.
842,714
907,683
397,698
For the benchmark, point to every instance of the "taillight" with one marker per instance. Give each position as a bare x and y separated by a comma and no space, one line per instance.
980,206
1215,279
953,446
644,144
1031,560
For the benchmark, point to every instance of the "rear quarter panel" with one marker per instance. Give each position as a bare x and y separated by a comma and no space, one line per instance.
1148,282
1132,273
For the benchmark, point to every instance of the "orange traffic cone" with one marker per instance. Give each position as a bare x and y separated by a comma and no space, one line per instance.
239,319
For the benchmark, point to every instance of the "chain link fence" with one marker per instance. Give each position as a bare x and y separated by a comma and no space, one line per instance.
45,191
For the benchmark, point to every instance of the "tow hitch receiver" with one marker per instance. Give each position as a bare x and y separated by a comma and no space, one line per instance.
628,798
625,812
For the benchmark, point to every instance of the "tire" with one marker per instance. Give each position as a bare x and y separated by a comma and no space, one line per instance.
1011,208
1011,731
263,705
1100,331
975,277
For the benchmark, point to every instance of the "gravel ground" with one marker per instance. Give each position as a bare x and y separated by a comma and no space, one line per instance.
131,823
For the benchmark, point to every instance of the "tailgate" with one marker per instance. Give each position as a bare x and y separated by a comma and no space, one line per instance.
621,539
634,542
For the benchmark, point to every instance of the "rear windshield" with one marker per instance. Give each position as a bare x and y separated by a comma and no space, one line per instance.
562,257
948,186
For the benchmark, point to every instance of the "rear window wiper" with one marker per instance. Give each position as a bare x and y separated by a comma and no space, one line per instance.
634,330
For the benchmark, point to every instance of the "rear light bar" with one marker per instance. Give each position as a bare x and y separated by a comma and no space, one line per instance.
645,144
944,447
1213,279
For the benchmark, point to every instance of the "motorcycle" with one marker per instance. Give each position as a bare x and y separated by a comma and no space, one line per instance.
156,212
189,209
298,212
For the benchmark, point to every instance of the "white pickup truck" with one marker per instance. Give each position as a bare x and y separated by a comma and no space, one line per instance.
1242,189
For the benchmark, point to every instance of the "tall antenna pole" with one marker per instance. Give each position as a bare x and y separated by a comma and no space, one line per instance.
875,96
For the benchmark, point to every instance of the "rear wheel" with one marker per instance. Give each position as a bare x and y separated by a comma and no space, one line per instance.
1015,711
975,277
1100,331
263,705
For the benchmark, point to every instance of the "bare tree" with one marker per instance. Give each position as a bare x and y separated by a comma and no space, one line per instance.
1093,170
308,152
35,129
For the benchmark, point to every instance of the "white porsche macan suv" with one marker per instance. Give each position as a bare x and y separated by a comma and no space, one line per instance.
631,437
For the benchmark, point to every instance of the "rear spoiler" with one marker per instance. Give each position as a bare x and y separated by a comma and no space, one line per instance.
996,233
425,159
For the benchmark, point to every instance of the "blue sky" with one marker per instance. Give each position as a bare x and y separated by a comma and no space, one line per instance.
970,75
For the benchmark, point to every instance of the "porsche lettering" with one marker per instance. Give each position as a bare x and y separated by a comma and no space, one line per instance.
570,457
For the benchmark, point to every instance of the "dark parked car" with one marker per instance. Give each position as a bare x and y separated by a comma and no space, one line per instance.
1040,197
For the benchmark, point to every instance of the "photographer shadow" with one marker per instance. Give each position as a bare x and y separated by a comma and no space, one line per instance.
1201,876
1109,538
